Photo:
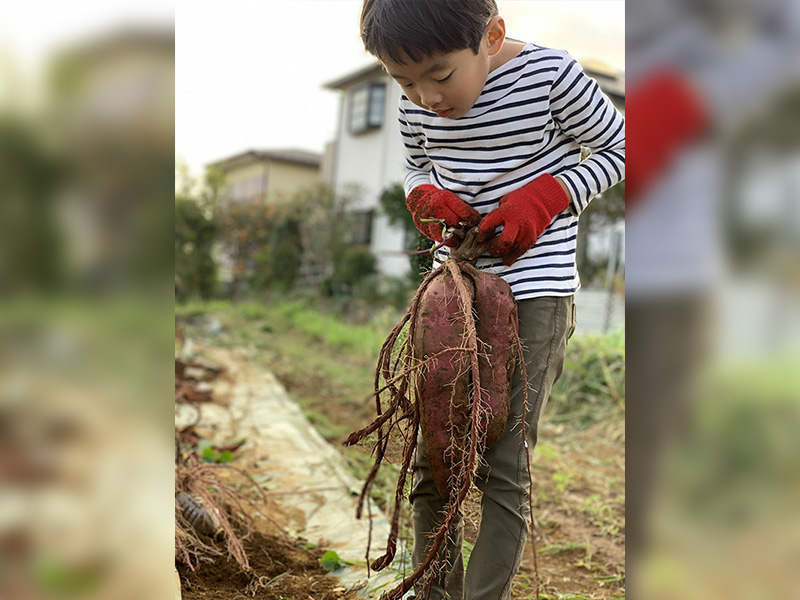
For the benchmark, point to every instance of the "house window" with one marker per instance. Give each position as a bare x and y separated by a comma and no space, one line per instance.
377,100
246,190
366,107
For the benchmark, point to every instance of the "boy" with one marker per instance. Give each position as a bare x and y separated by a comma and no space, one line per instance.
493,130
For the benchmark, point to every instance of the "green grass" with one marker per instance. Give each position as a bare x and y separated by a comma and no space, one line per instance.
592,386
562,481
559,548
322,422
249,320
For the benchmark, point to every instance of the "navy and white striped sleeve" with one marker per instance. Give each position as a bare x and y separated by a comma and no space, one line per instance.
418,165
584,113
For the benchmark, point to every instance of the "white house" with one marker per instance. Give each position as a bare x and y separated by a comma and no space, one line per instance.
368,150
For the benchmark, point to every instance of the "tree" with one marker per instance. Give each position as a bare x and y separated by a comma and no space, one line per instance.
326,222
196,230
195,270
245,232
277,264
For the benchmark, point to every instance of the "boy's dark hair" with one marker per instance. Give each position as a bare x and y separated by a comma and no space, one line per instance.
399,30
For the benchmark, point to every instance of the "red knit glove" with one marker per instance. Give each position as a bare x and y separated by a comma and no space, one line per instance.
429,202
662,115
524,214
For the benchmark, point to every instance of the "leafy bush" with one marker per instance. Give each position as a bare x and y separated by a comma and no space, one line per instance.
276,265
195,270
245,232
592,386
351,266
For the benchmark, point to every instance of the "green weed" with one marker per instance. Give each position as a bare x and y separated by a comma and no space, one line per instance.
615,578
327,428
209,454
547,452
554,549
562,481
331,561
592,386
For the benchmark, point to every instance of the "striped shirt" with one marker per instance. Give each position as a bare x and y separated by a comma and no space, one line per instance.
533,116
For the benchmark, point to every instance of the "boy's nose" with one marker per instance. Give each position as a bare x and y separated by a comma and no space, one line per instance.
430,98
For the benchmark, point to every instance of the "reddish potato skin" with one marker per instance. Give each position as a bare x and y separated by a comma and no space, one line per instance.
497,324
443,386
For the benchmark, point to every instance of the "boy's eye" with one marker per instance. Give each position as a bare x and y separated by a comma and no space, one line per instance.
445,79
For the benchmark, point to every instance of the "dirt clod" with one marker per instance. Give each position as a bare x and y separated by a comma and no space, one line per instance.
280,569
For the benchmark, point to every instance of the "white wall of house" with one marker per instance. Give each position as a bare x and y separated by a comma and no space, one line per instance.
374,160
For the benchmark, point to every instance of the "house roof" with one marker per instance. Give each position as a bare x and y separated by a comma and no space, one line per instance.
354,77
611,81
292,156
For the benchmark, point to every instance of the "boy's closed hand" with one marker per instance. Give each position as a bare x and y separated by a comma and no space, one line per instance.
429,206
524,215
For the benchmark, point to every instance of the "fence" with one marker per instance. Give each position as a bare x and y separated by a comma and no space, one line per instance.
599,310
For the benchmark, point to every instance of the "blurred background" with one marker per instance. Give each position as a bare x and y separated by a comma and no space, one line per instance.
86,299
712,231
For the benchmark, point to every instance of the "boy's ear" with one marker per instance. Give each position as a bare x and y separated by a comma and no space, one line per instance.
495,34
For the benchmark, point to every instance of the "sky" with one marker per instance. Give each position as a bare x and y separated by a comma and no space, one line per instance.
31,31
250,73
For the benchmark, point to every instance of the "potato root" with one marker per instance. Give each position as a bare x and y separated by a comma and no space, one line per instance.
450,378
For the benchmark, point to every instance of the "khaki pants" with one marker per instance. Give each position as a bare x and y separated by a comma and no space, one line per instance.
545,326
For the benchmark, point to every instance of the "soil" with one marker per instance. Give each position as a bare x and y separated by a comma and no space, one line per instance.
280,566
281,569
579,504
581,540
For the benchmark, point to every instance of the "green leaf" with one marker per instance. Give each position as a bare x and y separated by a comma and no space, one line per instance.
330,561
225,457
209,454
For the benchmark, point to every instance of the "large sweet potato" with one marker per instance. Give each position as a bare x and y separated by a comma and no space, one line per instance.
443,385
497,325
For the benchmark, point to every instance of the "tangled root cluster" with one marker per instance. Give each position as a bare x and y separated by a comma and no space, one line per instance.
445,370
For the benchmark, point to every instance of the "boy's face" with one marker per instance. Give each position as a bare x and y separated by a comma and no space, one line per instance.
447,84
